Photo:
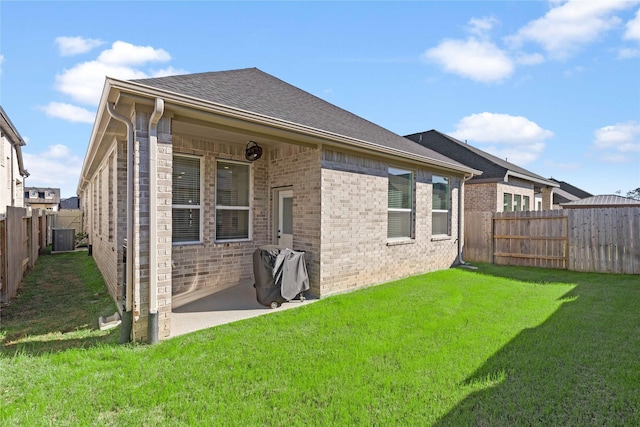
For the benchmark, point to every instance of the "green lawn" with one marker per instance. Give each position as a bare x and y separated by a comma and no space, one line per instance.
495,346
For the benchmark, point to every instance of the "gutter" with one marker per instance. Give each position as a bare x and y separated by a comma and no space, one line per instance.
153,221
461,220
128,308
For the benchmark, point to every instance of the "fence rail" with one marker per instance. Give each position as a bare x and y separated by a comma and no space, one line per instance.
590,240
23,236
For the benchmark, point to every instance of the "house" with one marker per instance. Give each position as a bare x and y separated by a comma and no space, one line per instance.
602,201
12,171
70,203
566,193
47,199
198,171
502,186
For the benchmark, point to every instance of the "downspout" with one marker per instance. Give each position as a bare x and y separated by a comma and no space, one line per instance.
153,222
127,314
461,219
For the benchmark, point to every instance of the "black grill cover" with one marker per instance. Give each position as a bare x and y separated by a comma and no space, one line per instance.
280,274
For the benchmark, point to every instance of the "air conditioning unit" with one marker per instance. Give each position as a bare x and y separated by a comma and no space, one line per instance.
64,239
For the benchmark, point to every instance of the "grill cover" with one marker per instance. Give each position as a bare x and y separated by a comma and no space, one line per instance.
280,274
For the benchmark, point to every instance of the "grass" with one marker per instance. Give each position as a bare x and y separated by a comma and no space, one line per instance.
496,346
57,307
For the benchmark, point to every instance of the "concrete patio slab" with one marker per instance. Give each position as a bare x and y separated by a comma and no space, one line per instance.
193,311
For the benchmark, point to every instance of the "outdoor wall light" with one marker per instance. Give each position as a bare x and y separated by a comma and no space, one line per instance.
253,151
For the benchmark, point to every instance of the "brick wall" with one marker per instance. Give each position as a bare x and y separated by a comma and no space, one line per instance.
481,197
211,265
99,216
489,196
355,249
298,168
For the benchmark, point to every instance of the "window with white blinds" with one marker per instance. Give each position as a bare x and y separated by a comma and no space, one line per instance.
441,206
233,201
186,203
400,204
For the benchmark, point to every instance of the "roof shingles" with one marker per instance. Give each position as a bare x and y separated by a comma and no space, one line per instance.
258,92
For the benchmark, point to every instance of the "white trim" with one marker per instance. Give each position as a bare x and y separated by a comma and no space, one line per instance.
248,208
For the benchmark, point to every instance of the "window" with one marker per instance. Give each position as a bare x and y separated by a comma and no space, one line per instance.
525,203
400,204
186,199
506,205
441,206
233,201
516,202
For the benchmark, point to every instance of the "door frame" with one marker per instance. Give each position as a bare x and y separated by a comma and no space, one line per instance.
278,194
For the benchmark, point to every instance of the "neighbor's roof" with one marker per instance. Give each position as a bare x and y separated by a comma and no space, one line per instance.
492,167
567,193
580,194
606,200
255,91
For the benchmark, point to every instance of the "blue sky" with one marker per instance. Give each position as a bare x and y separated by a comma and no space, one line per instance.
552,86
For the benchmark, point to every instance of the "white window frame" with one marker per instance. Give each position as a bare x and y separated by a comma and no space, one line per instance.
234,208
447,211
192,207
509,206
411,210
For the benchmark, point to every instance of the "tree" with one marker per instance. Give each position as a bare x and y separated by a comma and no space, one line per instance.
634,194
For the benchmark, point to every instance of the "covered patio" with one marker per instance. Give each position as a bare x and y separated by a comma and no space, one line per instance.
198,310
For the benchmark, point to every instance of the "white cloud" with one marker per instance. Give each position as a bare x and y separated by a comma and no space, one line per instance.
529,59
1,61
515,138
481,61
569,26
628,53
123,54
633,28
56,168
84,81
481,26
617,142
69,46
69,112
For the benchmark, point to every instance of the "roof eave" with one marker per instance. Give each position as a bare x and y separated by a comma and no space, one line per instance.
544,182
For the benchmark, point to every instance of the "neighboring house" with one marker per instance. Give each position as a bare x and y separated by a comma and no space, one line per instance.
567,193
198,171
502,186
602,201
12,171
47,199
70,203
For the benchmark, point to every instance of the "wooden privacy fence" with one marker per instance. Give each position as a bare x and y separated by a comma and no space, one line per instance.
592,240
23,236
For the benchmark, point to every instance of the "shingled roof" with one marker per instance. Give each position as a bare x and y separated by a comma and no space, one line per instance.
567,193
255,91
492,167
